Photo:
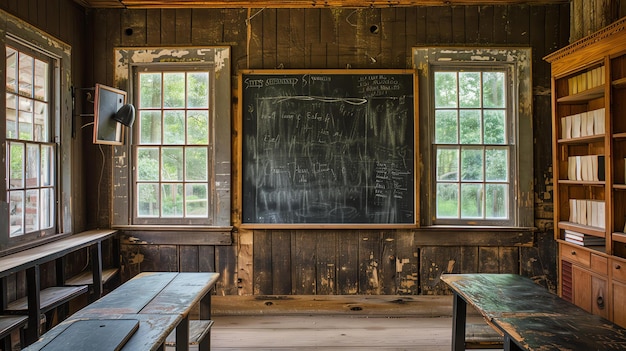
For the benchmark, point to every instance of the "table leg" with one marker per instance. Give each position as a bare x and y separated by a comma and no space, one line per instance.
182,335
510,345
459,309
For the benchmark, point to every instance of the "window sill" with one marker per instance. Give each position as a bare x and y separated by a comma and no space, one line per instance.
175,235
475,236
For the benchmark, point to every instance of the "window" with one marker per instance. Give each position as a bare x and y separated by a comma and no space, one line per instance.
180,143
172,153
475,122
35,134
31,150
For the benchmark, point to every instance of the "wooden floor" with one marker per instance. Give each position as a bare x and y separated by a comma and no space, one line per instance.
336,323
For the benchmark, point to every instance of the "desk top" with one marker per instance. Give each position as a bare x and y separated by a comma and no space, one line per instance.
532,317
28,258
502,295
151,333
155,293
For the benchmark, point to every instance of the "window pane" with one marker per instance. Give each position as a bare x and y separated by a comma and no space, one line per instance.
198,127
16,165
471,200
196,200
11,116
445,89
47,208
26,119
32,165
31,176
174,127
472,164
41,80
173,90
150,127
495,126
11,67
198,89
493,89
446,129
31,216
16,213
497,200
149,90
470,126
47,165
172,164
196,160
41,122
447,201
25,75
148,200
172,198
469,89
177,131
148,164
447,164
497,164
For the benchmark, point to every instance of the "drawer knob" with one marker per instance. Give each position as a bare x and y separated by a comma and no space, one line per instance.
573,252
617,266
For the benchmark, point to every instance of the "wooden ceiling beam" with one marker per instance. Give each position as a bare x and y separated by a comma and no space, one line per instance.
148,4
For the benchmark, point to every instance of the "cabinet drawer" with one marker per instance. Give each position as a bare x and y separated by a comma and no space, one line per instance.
599,264
576,254
618,270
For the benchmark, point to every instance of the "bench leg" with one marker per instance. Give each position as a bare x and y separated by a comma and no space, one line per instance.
459,310
205,343
182,335
6,343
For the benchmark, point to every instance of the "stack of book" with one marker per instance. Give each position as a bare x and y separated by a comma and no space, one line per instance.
586,80
586,168
587,212
583,124
583,239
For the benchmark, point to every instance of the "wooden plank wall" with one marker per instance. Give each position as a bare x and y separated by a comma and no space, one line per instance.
317,261
64,20
264,262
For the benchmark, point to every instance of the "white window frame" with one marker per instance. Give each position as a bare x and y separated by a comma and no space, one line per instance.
517,62
216,59
17,33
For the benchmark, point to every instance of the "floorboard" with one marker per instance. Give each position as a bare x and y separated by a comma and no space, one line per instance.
304,323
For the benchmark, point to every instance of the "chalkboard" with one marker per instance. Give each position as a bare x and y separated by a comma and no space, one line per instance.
329,147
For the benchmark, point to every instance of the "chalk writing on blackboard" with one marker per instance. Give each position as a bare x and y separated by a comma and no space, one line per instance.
328,148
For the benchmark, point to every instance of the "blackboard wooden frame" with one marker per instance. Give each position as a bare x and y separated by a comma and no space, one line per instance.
107,101
372,85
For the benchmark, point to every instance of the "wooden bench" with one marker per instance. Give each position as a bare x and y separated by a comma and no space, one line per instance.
41,300
8,324
528,316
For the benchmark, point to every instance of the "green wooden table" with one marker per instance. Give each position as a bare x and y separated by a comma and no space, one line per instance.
528,316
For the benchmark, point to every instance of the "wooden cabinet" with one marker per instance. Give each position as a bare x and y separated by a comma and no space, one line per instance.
589,154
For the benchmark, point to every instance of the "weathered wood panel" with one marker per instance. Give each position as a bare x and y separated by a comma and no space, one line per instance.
302,261
262,262
354,262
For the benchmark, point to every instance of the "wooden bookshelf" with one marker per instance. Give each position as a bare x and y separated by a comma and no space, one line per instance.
589,277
